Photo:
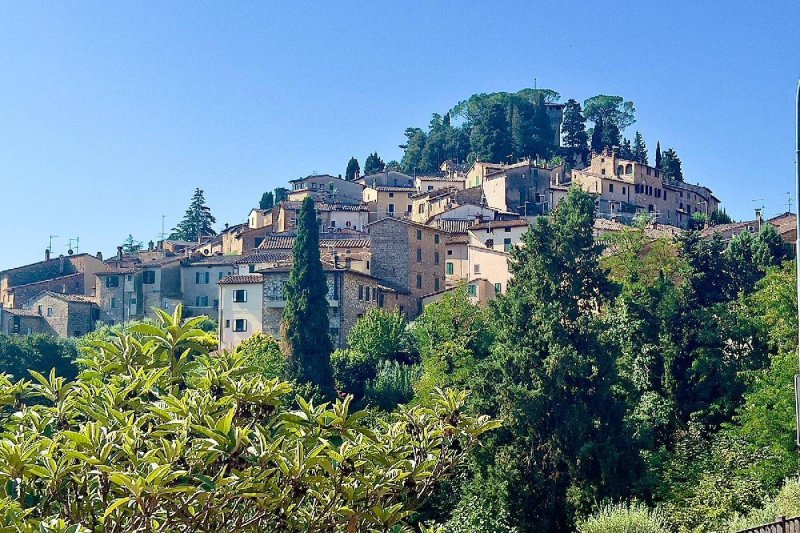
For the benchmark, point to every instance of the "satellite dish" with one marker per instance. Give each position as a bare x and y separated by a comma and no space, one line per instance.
70,252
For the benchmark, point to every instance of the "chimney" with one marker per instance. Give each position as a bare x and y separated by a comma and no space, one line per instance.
335,260
47,254
100,255
151,246
119,254
61,264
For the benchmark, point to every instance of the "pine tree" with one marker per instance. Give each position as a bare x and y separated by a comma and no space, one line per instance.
353,170
625,150
305,328
597,136
671,165
280,194
373,164
658,154
611,136
130,245
491,135
573,126
267,201
639,149
197,221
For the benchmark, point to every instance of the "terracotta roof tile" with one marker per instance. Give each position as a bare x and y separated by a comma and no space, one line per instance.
241,279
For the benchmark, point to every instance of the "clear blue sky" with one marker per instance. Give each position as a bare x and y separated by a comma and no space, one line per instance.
111,113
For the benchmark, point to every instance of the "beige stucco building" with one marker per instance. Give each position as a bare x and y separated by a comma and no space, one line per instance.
240,309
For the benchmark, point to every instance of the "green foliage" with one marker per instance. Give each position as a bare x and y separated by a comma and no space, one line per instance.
373,164
392,385
658,154
786,503
611,110
720,216
353,169
158,434
305,328
351,371
131,245
264,353
671,165
639,149
490,135
625,518
20,353
281,193
573,127
626,150
267,200
596,144
197,222
379,333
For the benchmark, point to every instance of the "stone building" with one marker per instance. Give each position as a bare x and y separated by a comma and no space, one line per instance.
325,188
199,278
65,315
626,188
71,274
17,321
522,188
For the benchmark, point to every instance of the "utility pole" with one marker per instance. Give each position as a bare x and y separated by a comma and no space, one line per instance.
797,247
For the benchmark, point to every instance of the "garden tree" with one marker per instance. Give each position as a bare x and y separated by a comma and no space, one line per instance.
197,222
305,329
413,148
541,131
267,201
671,165
394,165
450,336
490,137
658,154
742,255
550,377
773,250
353,169
626,150
131,245
373,164
20,353
611,110
639,149
720,216
441,142
281,193
379,333
156,434
573,127
263,353
597,145
625,518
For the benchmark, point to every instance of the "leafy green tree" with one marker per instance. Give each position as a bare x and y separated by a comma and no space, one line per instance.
281,193
490,137
611,110
625,518
610,136
671,165
305,328
394,165
267,200
373,164
131,245
379,333
742,256
720,216
626,150
392,385
639,149
773,250
197,222
413,149
551,378
263,352
41,353
353,169
158,434
573,127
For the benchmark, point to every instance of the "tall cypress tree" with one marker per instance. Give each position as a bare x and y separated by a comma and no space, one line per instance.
597,136
353,169
574,126
658,154
197,221
305,329
267,201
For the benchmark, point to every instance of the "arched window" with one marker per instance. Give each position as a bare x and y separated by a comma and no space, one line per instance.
619,170
628,169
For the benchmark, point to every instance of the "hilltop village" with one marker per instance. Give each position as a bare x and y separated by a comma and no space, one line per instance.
388,240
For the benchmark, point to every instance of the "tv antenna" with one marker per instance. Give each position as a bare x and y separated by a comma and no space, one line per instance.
163,235
789,202
77,241
50,246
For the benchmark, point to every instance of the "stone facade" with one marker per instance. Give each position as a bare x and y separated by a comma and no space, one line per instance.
20,322
73,274
65,315
199,278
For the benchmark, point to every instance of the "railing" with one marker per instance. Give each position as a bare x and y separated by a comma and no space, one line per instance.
782,525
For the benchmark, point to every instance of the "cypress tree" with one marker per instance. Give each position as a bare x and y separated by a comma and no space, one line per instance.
267,201
574,126
597,136
658,154
353,169
639,149
305,329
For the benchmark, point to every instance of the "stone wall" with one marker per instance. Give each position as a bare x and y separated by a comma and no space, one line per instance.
69,284
390,251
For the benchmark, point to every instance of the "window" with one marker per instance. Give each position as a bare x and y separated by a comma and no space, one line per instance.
498,288
449,268
419,255
648,171
421,209
409,195
360,292
113,306
665,195
610,187
227,324
380,299
50,309
408,209
128,277
436,284
619,169
333,223
133,300
39,309
216,303
199,278
449,252
628,169
240,324
112,281
435,258
240,295
220,275
366,294
149,277
624,191
603,171
391,208
391,195
251,268
476,269
507,245
473,290
201,301
436,238
419,234
419,281
430,187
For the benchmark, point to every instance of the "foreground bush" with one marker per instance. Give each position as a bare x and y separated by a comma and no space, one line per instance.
156,434
785,503
624,518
